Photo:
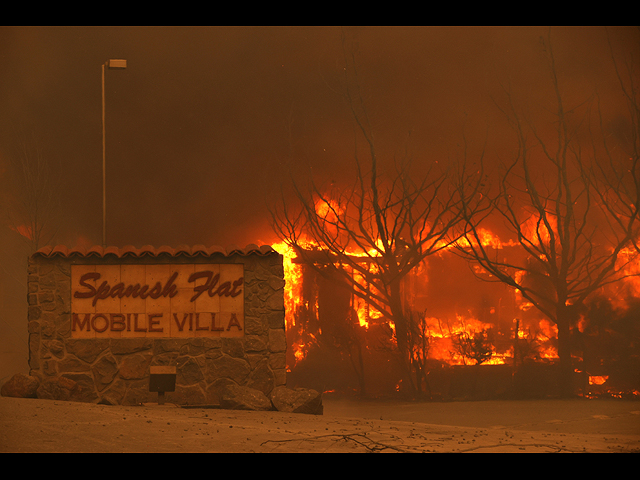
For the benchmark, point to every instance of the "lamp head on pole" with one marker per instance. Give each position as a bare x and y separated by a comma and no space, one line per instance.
117,63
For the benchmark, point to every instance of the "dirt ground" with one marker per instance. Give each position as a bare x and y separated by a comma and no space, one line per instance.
347,425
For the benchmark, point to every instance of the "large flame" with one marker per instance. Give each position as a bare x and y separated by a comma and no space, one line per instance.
531,334
442,332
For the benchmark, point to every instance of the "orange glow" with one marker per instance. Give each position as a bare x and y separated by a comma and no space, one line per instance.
535,229
442,340
532,336
629,263
293,301
548,331
293,281
442,332
487,239
328,210
598,379
25,231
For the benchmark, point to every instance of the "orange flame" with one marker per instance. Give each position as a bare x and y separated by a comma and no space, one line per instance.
442,332
598,379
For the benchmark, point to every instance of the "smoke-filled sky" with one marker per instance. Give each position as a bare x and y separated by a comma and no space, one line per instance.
205,123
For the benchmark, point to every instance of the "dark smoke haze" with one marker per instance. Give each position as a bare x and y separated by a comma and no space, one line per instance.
198,126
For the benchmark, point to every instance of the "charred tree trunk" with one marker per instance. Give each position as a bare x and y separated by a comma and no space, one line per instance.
358,366
563,322
402,333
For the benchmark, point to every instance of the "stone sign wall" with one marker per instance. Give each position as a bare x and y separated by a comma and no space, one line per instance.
99,319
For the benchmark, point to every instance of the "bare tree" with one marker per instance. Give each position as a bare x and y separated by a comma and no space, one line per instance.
33,204
473,346
372,233
618,161
419,337
572,244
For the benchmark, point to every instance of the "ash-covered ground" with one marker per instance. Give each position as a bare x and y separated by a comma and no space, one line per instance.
347,425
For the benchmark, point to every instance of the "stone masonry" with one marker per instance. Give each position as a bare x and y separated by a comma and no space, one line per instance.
116,370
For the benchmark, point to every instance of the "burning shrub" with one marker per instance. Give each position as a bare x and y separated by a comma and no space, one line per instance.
476,346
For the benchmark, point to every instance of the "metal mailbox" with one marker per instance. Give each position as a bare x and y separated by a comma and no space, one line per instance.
162,379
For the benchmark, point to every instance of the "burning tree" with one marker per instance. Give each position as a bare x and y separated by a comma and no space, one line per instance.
371,234
476,347
572,215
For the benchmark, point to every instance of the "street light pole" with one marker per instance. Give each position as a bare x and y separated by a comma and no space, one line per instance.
104,184
119,64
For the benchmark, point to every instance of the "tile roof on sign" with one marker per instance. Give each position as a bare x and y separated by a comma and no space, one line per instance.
149,250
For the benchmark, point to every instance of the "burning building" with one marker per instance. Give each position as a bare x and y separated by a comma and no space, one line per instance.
473,338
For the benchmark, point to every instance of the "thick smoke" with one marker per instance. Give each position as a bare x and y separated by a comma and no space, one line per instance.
207,124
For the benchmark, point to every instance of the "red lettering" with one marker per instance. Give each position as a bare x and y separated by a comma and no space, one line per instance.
206,286
225,289
143,291
117,290
156,291
117,322
120,290
213,324
136,328
102,293
83,282
94,321
131,291
233,322
184,319
81,324
234,292
153,323
170,290
198,327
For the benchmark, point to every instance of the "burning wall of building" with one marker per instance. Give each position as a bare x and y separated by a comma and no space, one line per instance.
335,338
